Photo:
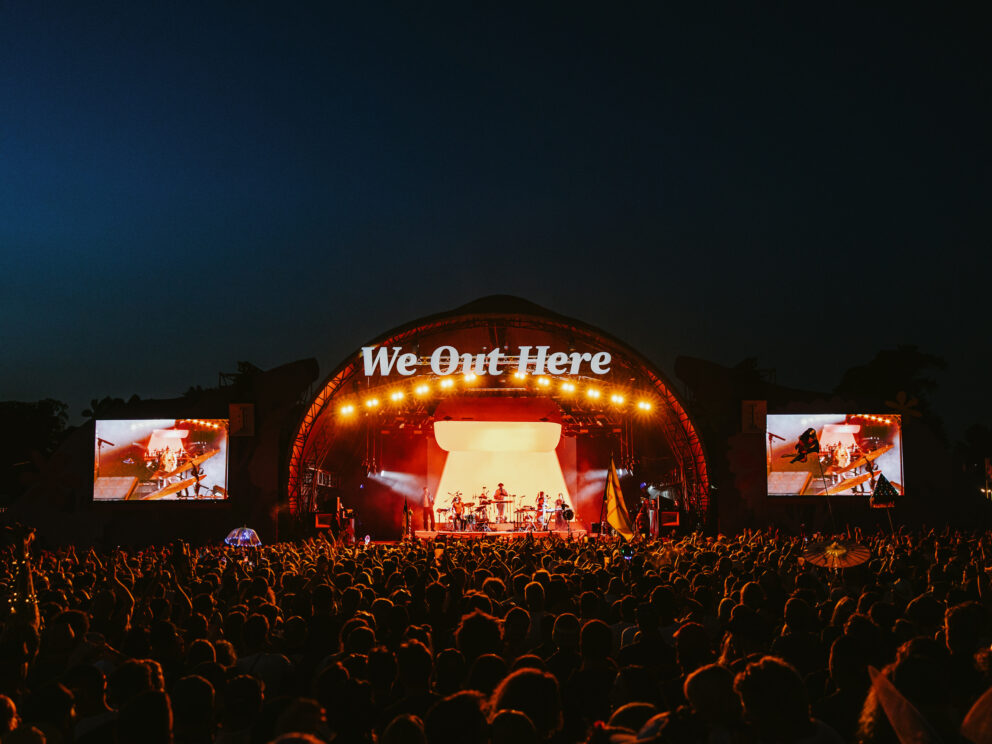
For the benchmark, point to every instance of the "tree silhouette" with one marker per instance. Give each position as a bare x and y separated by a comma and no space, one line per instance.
899,379
103,407
30,434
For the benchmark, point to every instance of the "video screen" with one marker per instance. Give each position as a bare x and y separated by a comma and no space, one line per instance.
160,460
846,455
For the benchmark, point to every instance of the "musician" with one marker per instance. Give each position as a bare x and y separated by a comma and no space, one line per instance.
407,520
483,502
560,504
501,495
458,512
194,472
541,519
841,457
427,504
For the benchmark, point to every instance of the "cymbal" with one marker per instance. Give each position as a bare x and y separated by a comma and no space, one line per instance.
861,461
443,510
526,508
468,503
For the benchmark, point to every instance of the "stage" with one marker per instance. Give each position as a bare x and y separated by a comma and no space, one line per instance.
575,534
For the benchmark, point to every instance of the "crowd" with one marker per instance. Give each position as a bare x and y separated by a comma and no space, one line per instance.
698,639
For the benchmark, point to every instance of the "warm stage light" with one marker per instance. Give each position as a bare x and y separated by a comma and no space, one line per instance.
593,393
347,410
644,405
615,398
521,454
398,395
447,382
567,387
422,390
470,377
543,381
371,402
518,375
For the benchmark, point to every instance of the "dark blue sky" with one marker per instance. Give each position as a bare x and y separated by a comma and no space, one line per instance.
183,187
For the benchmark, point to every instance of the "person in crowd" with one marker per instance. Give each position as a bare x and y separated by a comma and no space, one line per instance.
776,705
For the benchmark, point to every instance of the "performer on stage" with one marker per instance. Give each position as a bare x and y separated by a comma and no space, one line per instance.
501,495
483,503
458,512
541,519
407,520
427,502
194,473
560,522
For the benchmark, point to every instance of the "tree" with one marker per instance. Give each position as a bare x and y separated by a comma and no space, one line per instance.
30,434
103,408
898,379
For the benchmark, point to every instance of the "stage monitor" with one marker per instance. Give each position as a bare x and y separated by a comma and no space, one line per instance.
160,460
850,455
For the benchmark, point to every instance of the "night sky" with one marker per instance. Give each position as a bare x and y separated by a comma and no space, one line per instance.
183,187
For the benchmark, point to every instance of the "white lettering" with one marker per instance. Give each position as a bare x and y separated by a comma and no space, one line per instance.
557,362
577,360
405,364
493,357
474,364
598,360
446,360
542,352
440,351
382,360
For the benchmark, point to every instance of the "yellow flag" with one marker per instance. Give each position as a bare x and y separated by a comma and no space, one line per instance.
616,509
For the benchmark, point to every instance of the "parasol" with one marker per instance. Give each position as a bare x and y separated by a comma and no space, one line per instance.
243,537
836,554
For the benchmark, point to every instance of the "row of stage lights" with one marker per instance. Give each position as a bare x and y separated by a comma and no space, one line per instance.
810,420
201,422
592,392
869,417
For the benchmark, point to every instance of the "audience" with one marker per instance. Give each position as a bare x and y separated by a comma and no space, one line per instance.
693,639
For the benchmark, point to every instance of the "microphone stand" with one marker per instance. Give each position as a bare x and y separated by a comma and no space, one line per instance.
100,443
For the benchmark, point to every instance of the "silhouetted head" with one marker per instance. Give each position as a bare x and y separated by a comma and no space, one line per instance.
534,693
457,719
774,699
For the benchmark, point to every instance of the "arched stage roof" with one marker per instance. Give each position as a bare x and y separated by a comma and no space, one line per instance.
492,320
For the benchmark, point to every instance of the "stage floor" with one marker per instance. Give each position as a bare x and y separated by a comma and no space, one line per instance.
576,534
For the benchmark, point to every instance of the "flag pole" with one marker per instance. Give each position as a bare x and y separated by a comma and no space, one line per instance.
602,506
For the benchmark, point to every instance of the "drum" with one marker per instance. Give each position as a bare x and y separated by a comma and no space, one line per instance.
470,521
